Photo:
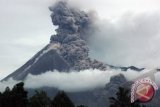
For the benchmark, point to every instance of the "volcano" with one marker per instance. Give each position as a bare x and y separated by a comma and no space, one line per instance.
67,50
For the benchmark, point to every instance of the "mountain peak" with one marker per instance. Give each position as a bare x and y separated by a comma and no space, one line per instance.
67,50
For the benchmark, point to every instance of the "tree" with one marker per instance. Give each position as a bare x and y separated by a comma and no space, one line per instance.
1,100
40,99
6,100
19,95
62,100
1,105
123,99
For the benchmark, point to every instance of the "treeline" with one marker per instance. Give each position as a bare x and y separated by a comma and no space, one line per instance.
17,97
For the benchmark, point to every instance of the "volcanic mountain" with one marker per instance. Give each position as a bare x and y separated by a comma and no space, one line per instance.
67,50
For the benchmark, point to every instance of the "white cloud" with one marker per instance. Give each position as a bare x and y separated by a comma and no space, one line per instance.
71,81
10,83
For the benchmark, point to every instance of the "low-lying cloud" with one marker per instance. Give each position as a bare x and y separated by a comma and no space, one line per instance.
71,81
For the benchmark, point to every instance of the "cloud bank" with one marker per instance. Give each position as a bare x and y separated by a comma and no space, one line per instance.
71,81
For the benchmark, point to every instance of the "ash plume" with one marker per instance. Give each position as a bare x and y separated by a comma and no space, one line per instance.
74,27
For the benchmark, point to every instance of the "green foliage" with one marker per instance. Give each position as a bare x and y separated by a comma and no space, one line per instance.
17,97
40,99
62,100
123,99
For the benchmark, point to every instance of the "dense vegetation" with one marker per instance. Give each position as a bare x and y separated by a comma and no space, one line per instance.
17,97
123,99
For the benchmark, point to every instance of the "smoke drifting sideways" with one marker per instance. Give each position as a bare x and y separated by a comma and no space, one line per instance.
131,39
72,81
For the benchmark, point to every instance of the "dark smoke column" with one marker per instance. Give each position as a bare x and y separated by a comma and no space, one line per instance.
73,27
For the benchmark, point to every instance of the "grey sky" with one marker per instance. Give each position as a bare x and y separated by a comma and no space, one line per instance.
25,25
133,39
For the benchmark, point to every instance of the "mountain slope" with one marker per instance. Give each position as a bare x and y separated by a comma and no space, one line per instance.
67,49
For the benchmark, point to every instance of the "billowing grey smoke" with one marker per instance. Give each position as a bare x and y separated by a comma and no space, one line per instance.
69,20
72,34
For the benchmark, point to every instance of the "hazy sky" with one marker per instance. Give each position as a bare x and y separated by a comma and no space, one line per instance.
25,27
